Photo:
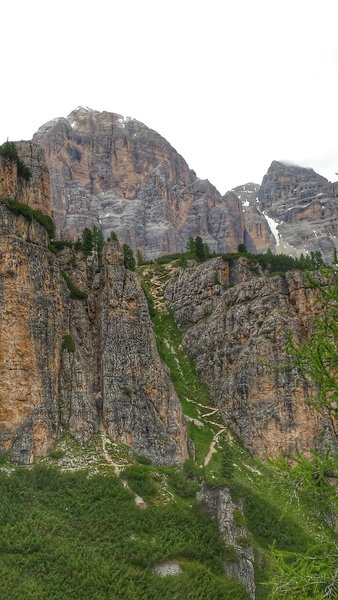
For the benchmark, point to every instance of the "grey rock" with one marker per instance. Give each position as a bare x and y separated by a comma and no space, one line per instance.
235,325
219,504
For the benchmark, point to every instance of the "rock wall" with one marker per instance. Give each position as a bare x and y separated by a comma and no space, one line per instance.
113,382
36,191
235,327
121,175
257,233
304,207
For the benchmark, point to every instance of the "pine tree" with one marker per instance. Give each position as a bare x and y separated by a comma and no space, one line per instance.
87,241
199,249
139,258
191,246
129,259
98,240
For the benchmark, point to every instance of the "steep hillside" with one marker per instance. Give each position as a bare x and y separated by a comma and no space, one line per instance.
235,328
77,350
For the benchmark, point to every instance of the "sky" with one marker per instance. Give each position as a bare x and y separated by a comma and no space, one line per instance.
231,84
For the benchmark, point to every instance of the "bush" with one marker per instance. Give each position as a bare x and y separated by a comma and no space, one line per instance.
140,481
75,292
272,527
128,258
149,298
8,150
56,453
68,343
182,486
19,208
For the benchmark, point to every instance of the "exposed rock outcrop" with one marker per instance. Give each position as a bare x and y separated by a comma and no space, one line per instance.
303,206
114,381
235,328
257,233
34,191
220,505
119,174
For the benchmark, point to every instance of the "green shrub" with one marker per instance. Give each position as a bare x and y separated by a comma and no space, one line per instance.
19,208
140,481
182,486
191,470
68,343
128,258
8,150
75,292
149,298
56,453
272,527
61,244
3,458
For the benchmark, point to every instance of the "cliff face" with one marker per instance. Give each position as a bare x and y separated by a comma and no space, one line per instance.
36,191
304,208
119,174
258,236
114,381
235,328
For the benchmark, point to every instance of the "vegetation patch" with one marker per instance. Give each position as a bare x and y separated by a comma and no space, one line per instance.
68,343
65,535
284,508
75,292
9,151
19,208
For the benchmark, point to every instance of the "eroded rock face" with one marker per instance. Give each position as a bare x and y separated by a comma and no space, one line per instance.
257,233
36,191
113,382
220,505
119,174
235,328
304,207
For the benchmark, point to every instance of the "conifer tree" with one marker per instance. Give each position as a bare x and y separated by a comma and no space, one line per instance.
129,259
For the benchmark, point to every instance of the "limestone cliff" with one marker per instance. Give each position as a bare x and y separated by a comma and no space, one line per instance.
34,191
258,236
119,174
302,206
235,328
114,380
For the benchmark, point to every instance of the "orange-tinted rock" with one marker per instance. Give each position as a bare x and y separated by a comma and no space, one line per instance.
36,190
121,175
114,381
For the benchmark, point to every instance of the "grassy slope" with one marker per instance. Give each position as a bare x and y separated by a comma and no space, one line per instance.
78,535
284,508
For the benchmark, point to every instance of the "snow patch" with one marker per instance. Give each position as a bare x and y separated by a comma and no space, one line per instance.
273,226
246,203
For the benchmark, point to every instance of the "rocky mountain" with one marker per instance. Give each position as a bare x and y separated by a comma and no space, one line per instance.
91,383
119,174
299,206
258,236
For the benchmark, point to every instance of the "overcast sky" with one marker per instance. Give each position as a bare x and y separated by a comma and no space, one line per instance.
231,84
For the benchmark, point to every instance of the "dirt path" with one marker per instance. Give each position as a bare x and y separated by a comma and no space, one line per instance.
117,466
212,447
